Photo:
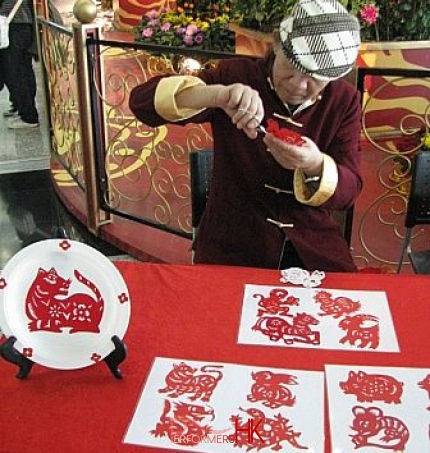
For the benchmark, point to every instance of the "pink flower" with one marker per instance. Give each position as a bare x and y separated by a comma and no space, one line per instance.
153,14
369,14
188,40
147,32
198,38
166,26
191,29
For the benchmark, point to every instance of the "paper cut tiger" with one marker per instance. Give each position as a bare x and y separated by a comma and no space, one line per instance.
184,379
49,306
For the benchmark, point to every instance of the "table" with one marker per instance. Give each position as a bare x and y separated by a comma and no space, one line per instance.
188,312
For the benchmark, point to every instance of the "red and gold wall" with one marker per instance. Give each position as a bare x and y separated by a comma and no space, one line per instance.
386,108
130,12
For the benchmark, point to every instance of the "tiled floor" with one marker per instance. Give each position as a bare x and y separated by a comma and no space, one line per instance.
28,149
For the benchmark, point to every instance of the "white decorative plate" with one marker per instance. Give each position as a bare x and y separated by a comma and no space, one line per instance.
63,301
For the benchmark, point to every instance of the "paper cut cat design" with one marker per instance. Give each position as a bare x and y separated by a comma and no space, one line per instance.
49,307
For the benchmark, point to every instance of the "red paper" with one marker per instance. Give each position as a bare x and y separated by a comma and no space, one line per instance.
284,134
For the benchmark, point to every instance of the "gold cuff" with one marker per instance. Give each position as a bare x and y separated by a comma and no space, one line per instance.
327,186
165,101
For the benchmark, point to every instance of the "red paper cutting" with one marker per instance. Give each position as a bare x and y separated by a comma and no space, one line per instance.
374,429
184,379
49,306
268,432
373,387
297,330
361,331
278,302
425,385
284,134
336,307
183,424
271,389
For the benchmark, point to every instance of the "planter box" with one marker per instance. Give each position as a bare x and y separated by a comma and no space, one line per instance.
251,42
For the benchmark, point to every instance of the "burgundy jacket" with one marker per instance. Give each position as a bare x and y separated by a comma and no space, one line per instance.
234,229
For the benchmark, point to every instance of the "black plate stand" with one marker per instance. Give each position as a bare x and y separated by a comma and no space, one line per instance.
12,355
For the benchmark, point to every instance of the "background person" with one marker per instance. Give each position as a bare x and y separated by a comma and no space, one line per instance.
17,61
270,202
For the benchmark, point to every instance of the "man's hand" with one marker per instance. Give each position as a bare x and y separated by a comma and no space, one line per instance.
306,157
243,105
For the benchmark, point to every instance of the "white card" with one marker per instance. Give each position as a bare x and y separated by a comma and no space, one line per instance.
198,401
375,409
317,318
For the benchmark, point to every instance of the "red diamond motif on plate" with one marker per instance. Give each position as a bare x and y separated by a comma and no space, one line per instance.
96,357
27,352
65,245
123,298
3,283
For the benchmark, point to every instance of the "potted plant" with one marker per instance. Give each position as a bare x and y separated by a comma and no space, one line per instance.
197,24
392,20
381,20
261,15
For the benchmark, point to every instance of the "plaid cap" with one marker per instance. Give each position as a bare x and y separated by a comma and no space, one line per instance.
321,38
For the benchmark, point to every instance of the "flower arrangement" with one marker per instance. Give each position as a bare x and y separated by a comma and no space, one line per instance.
392,20
202,25
367,13
261,15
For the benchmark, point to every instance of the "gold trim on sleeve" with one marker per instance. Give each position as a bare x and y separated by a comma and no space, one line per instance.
329,179
164,100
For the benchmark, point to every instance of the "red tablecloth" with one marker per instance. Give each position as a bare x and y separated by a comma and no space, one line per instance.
187,312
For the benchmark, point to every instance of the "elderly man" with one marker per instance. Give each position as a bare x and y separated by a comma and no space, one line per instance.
271,201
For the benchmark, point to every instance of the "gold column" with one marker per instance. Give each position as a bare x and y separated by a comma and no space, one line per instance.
84,12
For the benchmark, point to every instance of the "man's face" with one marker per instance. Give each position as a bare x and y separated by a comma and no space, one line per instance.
291,85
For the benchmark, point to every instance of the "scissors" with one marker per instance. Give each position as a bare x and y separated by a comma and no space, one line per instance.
261,128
